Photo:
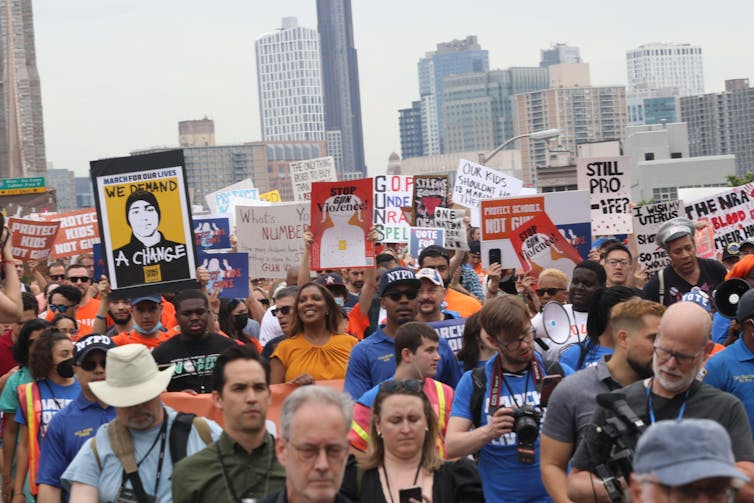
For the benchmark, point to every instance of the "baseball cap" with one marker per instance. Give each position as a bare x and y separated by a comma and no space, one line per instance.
430,274
746,242
398,276
674,229
87,344
475,247
731,250
330,280
699,297
152,298
682,452
745,309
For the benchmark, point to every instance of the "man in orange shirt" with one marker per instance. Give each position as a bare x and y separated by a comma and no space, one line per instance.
77,276
148,329
437,257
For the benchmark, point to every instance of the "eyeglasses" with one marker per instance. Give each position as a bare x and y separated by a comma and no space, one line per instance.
79,279
516,343
57,277
397,295
309,452
615,262
91,365
683,359
410,385
716,493
264,302
549,291
61,308
278,310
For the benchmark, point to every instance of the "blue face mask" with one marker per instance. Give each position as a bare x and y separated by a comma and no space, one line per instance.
340,301
148,332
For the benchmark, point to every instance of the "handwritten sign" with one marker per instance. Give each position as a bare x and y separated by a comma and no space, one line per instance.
226,199
647,221
78,232
32,239
304,173
228,272
539,245
391,193
430,192
212,232
422,237
341,219
273,236
451,220
475,183
609,184
730,215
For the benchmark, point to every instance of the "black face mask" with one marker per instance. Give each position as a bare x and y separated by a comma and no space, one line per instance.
240,321
65,368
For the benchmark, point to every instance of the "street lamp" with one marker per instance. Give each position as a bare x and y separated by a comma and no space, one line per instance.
544,134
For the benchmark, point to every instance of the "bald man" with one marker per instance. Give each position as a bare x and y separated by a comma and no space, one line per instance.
680,350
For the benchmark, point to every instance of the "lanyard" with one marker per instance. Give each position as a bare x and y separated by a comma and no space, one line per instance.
162,436
497,376
651,409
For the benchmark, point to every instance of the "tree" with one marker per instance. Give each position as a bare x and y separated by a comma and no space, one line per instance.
735,181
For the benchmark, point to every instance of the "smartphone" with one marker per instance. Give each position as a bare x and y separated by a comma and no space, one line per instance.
404,495
548,386
494,256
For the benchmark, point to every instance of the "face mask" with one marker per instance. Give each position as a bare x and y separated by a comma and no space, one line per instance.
240,321
147,332
340,301
65,368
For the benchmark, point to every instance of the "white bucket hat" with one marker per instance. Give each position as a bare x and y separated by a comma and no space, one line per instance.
132,377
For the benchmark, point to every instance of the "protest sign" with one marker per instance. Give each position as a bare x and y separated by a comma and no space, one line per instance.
430,192
304,173
272,196
539,245
422,237
212,232
99,260
145,222
391,193
475,183
647,221
451,331
224,201
569,211
228,272
609,184
730,215
341,219
273,236
455,229
32,239
77,234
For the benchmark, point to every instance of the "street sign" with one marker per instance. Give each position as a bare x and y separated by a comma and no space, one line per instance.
10,186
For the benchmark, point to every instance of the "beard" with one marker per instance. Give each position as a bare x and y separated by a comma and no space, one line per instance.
120,320
681,381
642,370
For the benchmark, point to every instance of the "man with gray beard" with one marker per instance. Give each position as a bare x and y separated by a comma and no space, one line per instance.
680,350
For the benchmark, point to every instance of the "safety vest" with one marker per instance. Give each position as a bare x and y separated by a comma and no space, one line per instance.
30,401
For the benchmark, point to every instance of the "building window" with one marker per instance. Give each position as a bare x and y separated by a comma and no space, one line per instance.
649,156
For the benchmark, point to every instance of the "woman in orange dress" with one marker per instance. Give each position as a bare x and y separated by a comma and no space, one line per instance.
315,349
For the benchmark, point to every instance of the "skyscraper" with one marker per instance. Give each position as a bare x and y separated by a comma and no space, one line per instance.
657,66
196,133
22,143
289,79
340,72
559,54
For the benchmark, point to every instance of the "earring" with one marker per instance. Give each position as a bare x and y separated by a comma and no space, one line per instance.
426,429
379,433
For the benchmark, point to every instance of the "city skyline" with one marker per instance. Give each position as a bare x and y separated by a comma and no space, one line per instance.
117,76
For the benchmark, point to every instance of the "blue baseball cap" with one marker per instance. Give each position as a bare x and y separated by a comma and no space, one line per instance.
398,276
151,298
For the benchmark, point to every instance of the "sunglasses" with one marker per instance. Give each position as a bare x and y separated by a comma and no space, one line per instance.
398,295
284,310
410,385
91,366
57,277
549,291
61,308
264,302
79,279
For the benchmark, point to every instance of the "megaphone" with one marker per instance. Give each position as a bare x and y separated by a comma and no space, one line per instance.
556,321
728,295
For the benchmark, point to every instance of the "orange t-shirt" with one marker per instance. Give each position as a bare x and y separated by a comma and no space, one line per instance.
465,305
86,315
168,314
150,341
358,322
328,361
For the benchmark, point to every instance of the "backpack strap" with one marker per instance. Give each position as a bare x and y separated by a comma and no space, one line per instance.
123,447
479,381
202,428
180,431
95,452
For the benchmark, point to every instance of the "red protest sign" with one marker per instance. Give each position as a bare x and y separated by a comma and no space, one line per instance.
32,239
540,245
78,232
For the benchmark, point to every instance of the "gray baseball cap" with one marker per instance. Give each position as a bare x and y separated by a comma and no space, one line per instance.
682,452
675,229
745,309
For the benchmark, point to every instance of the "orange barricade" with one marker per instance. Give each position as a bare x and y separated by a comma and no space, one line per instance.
203,405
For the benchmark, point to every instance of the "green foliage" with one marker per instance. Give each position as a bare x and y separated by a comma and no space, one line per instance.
735,181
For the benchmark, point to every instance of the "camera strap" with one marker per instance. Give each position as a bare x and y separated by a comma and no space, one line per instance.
498,376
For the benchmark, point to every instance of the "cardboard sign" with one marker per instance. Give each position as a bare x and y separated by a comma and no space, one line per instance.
451,331
145,222
455,229
32,239
569,211
273,236
391,193
228,272
304,173
212,232
422,237
78,232
226,199
539,245
272,196
729,214
341,219
430,192
647,221
475,182
608,181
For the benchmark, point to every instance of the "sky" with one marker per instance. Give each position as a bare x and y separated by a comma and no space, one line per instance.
118,75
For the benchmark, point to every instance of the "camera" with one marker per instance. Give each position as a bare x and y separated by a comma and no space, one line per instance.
526,425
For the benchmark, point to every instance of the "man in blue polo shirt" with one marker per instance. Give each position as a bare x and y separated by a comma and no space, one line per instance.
732,370
78,421
373,359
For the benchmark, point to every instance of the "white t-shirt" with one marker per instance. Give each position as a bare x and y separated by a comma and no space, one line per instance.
270,328
577,334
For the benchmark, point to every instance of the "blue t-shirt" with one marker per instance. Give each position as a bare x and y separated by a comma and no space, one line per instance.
571,356
68,431
504,477
732,370
54,398
373,362
720,326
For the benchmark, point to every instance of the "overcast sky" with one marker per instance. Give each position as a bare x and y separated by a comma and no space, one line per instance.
117,75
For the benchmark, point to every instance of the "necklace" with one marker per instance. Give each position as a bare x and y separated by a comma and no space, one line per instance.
387,479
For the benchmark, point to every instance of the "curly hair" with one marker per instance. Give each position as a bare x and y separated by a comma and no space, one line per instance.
333,314
40,357
22,345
